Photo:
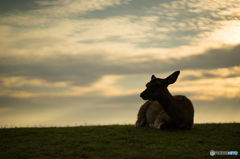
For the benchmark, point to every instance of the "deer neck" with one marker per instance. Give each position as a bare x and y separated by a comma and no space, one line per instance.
169,105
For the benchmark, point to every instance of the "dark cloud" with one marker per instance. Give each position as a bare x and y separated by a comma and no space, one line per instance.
125,9
12,102
212,59
207,75
224,102
13,5
47,102
80,70
134,101
85,69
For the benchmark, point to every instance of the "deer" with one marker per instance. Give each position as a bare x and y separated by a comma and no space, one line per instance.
162,110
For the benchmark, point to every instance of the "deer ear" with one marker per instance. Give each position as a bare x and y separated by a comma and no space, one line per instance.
173,77
153,77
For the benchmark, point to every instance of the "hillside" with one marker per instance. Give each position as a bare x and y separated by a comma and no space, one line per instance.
119,141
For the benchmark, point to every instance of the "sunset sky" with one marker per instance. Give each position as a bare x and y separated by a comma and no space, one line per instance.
85,62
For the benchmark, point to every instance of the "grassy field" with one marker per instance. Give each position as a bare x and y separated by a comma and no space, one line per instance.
119,141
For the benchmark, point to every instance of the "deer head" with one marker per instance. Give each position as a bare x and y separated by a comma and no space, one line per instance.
157,87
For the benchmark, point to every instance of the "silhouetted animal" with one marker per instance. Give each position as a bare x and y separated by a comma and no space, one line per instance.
162,110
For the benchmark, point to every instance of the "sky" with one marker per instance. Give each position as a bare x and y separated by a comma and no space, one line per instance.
85,62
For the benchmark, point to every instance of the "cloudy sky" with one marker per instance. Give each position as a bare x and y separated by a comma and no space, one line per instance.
83,62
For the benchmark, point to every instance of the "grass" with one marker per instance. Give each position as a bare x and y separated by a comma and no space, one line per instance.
119,141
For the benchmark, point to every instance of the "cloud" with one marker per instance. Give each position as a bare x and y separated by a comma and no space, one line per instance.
223,73
72,111
213,58
205,76
124,36
59,8
86,69
116,34
80,52
208,89
194,22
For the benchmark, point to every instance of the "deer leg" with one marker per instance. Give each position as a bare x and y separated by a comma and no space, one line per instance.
159,123
160,126
141,119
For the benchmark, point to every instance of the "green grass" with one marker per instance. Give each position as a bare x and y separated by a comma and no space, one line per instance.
119,141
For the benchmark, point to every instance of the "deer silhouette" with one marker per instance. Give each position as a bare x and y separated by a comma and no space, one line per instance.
162,110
